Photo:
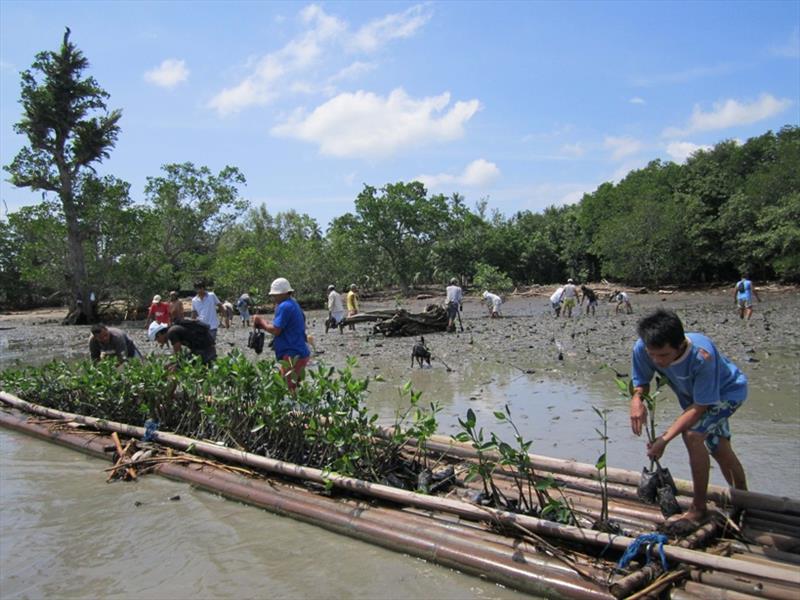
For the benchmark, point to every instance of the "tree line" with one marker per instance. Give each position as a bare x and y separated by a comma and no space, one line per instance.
730,209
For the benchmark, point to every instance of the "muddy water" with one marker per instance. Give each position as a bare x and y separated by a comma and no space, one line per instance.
205,546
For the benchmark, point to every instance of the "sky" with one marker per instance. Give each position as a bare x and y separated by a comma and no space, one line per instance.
522,104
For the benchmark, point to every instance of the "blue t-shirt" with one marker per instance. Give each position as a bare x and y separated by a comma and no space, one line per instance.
695,379
747,292
292,340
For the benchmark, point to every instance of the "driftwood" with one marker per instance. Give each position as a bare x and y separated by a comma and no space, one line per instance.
400,322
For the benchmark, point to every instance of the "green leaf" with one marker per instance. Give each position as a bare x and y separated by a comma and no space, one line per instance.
500,416
601,462
471,419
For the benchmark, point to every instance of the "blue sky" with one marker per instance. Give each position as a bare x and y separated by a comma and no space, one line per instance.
525,104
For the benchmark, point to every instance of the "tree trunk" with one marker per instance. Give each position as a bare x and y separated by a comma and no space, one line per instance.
76,263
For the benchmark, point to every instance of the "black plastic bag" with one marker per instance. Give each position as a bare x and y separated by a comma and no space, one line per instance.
665,496
255,341
658,486
648,486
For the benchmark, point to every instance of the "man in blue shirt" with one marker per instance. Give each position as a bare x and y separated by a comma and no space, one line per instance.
709,388
289,328
743,295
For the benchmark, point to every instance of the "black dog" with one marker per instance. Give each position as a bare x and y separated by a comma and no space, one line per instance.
420,353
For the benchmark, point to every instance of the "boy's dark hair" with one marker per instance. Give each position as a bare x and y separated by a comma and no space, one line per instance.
661,328
199,284
97,328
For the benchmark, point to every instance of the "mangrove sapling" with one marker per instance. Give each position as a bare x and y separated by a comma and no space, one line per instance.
484,467
603,523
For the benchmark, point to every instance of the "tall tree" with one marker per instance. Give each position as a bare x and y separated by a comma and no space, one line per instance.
68,128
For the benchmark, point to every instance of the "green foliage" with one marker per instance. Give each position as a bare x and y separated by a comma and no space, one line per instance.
491,278
602,468
237,402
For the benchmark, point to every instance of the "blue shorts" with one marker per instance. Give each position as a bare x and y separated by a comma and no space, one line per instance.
714,424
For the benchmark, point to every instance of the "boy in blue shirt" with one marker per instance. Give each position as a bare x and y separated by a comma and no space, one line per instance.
743,294
709,388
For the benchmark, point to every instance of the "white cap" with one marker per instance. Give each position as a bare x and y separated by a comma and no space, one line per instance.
485,294
156,298
154,329
280,286
569,280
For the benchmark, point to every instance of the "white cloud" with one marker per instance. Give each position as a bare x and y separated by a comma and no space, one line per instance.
731,113
373,35
365,125
680,151
478,173
575,150
622,146
323,41
168,74
637,100
685,76
790,48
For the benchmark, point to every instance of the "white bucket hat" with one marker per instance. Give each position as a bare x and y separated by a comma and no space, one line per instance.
280,286
154,329
156,299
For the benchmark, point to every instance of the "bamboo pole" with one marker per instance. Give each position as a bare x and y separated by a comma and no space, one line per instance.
712,593
771,553
539,526
533,573
746,585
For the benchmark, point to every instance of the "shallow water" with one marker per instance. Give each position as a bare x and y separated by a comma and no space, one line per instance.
64,532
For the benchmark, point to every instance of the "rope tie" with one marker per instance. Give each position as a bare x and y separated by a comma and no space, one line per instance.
648,540
150,428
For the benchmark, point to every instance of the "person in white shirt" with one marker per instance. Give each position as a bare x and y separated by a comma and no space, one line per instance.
205,306
569,297
336,312
555,301
623,300
455,298
493,301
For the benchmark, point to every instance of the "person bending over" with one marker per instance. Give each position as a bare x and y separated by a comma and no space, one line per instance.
709,387
193,336
106,341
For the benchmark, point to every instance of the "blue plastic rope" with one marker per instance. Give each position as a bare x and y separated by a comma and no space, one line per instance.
646,539
150,428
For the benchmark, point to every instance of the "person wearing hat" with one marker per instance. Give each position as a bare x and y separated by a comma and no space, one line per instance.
106,341
194,336
493,301
569,298
175,307
352,303
455,298
243,304
159,312
336,312
289,328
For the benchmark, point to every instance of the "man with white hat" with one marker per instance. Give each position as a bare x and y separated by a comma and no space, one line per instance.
569,298
159,312
289,328
195,336
493,301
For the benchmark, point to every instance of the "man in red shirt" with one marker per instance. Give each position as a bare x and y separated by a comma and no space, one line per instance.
159,312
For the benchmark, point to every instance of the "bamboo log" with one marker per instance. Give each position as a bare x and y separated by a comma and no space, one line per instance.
539,526
772,517
535,574
681,594
746,585
771,553
712,593
625,586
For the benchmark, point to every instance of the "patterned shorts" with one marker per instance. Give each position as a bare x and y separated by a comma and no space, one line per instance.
714,423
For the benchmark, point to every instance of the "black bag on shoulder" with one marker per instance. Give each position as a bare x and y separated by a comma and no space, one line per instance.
255,341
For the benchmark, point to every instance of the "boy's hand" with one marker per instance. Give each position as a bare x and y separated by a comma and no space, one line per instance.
638,414
656,448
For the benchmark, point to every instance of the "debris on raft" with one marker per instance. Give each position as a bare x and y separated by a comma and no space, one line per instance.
400,322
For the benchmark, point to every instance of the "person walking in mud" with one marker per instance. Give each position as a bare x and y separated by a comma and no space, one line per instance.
336,312
569,298
205,306
555,301
107,341
175,307
591,299
243,305
743,296
710,388
455,298
352,303
621,298
493,302
189,336
289,328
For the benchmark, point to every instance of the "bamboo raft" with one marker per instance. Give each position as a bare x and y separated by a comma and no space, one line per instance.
758,558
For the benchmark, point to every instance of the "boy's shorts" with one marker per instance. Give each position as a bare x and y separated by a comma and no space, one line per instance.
714,423
745,303
569,302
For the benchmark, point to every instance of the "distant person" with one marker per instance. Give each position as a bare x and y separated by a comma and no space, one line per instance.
352,303
289,328
107,341
158,312
243,305
493,302
205,306
189,336
621,298
336,312
591,297
455,298
175,307
743,295
555,301
227,311
709,387
569,298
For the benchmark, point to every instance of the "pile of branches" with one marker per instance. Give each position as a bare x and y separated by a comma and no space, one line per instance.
400,322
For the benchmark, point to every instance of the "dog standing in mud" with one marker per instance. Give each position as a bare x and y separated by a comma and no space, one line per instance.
420,353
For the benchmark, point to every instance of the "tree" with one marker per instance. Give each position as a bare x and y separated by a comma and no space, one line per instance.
66,136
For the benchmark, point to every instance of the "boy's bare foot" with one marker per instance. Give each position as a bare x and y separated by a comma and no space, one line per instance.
686,522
